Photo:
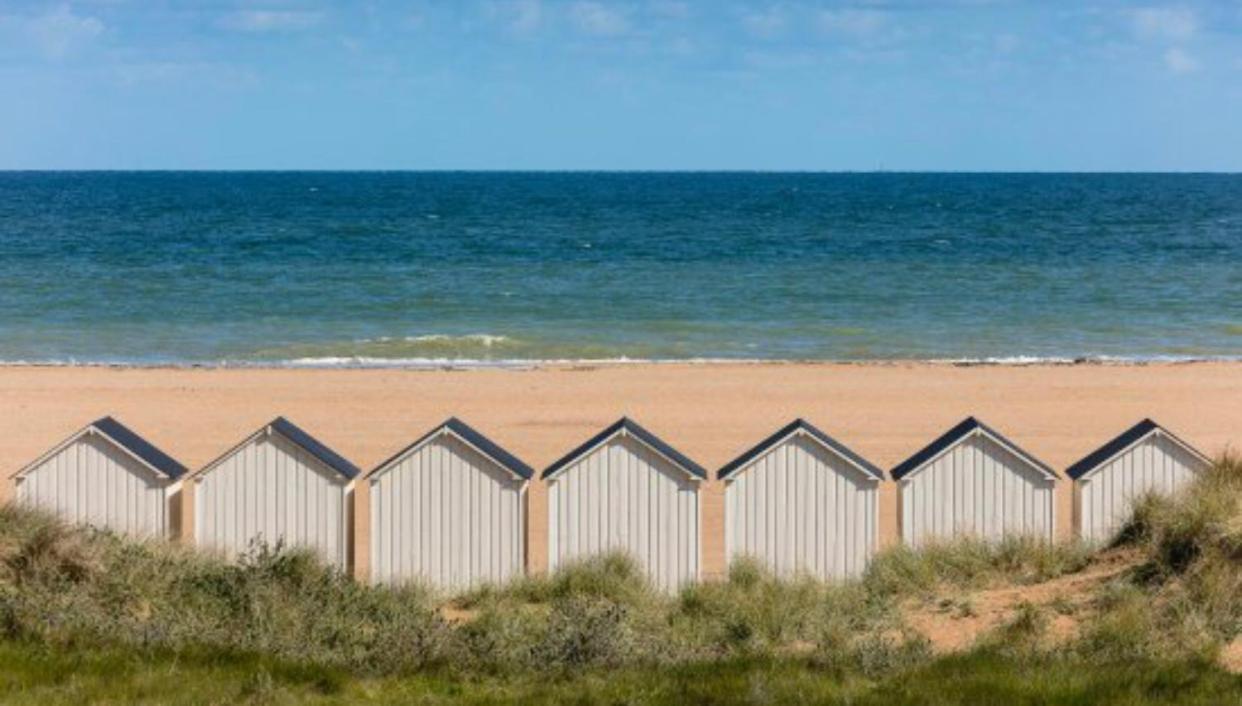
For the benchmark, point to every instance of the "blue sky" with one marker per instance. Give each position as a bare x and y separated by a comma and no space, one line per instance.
634,84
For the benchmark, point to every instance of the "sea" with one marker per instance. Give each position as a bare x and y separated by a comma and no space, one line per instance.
493,268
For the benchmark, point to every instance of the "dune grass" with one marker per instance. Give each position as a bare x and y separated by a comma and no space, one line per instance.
34,674
279,624
1186,595
971,563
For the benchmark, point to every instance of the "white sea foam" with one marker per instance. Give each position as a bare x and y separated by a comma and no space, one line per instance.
432,363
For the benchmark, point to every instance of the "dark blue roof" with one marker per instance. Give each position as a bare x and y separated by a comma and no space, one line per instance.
140,447
1117,445
633,428
763,446
951,437
314,447
489,448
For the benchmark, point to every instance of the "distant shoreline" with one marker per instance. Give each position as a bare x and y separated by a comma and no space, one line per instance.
451,364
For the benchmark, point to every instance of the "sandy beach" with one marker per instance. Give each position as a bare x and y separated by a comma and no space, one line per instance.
711,412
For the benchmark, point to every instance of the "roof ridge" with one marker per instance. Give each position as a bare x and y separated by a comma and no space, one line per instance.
797,424
955,434
625,422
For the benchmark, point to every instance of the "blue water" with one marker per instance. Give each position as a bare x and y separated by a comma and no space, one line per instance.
406,268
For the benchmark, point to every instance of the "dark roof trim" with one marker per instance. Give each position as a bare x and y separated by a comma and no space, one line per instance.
631,427
140,447
314,447
951,437
472,437
798,425
1120,443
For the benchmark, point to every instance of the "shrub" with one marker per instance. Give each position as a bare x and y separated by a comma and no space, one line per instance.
1183,598
970,562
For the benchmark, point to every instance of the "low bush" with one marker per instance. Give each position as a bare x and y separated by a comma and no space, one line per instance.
73,587
1183,599
971,563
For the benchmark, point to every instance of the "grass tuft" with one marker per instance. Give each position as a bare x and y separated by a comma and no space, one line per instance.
972,563
70,589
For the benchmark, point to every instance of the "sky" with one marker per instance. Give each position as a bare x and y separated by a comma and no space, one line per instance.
972,85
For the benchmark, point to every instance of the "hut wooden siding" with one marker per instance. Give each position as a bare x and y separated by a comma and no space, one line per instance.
273,489
103,476
973,481
626,490
448,510
1144,459
801,503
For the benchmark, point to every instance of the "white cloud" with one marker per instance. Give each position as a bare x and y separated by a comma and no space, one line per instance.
854,22
261,21
765,24
598,18
520,17
1170,23
1179,62
59,32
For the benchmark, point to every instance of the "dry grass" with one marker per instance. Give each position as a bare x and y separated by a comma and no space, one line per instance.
1171,591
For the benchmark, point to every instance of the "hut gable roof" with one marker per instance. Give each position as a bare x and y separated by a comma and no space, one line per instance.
299,438
965,429
123,438
628,427
471,437
1124,441
805,428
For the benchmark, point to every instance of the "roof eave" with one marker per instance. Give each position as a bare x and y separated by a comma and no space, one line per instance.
954,436
454,426
87,430
625,425
1123,443
780,436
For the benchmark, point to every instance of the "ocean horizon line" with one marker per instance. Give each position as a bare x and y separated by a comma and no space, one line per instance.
605,171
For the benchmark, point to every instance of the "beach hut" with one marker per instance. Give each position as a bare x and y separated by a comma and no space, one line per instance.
974,481
1146,458
278,486
801,502
625,489
106,476
449,509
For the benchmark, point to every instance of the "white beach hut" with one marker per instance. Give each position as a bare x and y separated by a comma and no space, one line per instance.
1146,458
974,481
625,489
106,476
278,486
449,509
801,502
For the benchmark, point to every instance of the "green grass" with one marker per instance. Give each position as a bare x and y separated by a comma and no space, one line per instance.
33,674
972,563
88,616
1186,596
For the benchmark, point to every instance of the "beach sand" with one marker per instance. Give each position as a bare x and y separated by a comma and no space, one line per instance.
711,412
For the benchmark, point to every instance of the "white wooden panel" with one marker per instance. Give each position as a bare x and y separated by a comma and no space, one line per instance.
979,488
93,482
1106,495
801,508
624,496
448,515
271,490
